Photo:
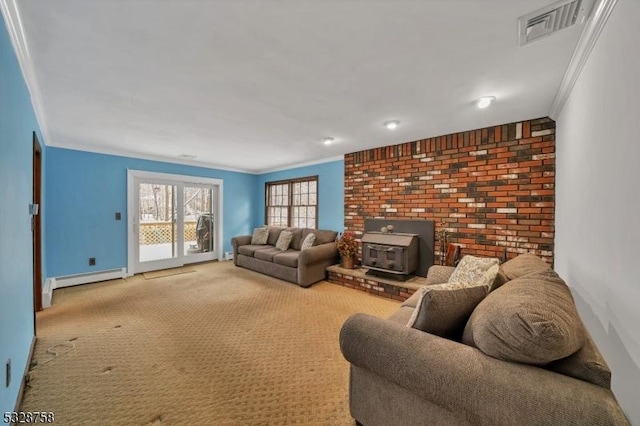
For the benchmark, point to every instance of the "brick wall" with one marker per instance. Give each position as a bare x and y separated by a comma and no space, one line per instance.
493,188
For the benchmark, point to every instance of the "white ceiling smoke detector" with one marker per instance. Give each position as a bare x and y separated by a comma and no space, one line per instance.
555,17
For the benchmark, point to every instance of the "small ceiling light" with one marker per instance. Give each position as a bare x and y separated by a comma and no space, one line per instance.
485,101
391,124
327,141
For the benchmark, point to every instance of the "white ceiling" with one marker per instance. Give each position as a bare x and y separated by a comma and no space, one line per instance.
254,85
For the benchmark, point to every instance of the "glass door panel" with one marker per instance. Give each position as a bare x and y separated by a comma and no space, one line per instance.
157,231
198,220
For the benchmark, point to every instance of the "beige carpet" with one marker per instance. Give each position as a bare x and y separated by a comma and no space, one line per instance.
222,346
167,272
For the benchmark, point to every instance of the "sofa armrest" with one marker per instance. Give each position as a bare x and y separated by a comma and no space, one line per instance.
438,274
313,262
241,240
317,254
460,378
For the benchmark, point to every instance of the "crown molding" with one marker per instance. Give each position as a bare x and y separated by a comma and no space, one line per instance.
297,166
13,23
585,45
150,157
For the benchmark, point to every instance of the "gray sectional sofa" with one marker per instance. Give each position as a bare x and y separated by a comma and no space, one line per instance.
303,267
499,369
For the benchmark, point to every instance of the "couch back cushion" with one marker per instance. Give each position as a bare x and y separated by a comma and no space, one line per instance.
274,234
523,265
296,238
586,364
531,319
322,236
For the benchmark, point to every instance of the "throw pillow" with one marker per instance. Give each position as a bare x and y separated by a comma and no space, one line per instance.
260,236
444,309
471,268
531,319
524,264
308,241
284,240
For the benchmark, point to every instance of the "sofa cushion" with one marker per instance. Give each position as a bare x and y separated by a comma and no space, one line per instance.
274,234
296,239
289,258
308,241
260,236
471,268
531,319
500,280
413,300
438,274
587,364
444,309
267,254
251,249
322,236
284,240
523,265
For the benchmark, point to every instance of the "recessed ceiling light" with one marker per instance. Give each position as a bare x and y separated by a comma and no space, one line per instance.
484,101
391,124
327,140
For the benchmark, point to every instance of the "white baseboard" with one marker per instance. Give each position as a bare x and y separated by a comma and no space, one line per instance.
47,292
91,277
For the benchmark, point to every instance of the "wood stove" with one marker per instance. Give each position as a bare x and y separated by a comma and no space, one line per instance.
390,254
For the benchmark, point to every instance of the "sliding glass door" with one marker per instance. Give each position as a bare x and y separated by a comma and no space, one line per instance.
173,220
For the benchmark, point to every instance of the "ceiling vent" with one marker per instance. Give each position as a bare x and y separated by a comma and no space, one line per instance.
555,17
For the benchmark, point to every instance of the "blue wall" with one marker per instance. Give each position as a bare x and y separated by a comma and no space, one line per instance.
84,190
17,122
330,195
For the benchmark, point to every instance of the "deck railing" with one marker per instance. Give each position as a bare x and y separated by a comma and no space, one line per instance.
152,233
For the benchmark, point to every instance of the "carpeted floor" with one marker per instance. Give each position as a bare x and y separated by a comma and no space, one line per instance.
221,346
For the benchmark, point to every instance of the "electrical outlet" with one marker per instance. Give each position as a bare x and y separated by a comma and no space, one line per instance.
8,373
92,261
118,216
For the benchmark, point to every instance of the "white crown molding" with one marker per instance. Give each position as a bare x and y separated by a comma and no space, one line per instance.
150,157
581,53
18,40
297,166
183,161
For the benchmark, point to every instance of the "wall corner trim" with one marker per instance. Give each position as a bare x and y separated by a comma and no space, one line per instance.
13,22
581,53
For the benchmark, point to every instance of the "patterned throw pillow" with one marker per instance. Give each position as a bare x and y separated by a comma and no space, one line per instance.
308,241
284,240
260,236
443,309
472,268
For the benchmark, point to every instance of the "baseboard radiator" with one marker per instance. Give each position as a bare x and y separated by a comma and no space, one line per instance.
70,280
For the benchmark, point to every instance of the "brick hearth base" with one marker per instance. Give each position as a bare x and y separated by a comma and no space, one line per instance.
357,279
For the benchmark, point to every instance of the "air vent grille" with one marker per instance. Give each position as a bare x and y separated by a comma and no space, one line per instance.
555,17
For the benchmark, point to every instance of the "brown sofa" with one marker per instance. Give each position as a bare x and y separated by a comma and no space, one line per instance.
401,375
301,267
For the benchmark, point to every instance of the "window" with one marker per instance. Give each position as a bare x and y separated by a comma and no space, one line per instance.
292,202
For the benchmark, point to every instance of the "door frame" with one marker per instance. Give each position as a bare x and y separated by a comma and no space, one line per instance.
171,179
36,226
